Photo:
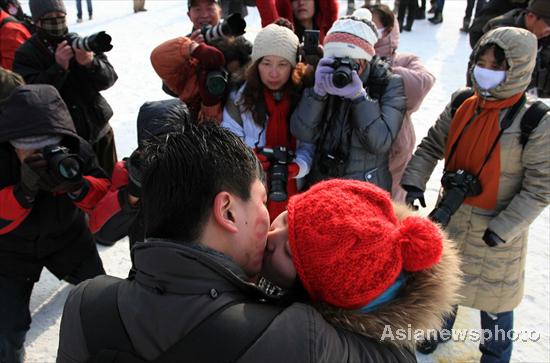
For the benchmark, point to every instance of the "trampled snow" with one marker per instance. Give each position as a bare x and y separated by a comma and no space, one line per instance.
442,48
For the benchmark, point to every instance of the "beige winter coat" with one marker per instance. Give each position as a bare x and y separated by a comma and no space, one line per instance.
494,276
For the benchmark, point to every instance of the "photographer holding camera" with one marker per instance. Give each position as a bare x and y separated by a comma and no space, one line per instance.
49,178
355,109
259,113
495,180
202,67
54,56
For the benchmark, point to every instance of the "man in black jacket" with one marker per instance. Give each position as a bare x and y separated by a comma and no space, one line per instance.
49,178
206,228
78,75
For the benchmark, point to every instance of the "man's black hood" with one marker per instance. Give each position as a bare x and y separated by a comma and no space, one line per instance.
34,110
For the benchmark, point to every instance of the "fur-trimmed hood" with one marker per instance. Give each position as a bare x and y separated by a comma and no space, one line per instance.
421,304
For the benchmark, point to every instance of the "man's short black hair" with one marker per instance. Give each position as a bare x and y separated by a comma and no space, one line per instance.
183,174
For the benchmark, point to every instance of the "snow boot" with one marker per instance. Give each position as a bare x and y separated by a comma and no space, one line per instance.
465,26
437,19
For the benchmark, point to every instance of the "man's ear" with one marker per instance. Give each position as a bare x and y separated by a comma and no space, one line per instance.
224,211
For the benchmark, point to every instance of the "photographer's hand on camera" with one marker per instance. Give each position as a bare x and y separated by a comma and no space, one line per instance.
83,57
293,170
323,75
63,54
352,91
492,239
31,168
197,37
263,160
414,194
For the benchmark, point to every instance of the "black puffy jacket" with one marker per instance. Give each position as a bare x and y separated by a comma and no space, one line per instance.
79,87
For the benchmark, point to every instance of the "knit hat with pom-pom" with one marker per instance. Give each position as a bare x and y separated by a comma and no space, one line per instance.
348,246
352,36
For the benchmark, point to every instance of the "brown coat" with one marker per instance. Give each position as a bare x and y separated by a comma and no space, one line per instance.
178,70
494,277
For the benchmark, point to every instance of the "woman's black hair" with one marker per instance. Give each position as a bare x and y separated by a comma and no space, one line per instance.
500,56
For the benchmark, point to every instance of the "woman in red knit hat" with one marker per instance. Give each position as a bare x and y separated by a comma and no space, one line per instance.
364,261
304,14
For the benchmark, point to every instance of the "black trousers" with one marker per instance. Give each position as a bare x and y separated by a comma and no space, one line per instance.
410,8
15,317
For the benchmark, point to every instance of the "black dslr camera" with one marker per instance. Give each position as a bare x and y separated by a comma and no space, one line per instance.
279,157
61,162
457,186
216,82
343,68
234,25
98,43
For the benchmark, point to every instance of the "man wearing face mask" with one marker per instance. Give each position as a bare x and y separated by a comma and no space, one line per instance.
78,75
503,173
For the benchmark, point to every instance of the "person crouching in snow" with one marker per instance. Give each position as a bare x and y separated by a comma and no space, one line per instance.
259,113
49,177
119,214
370,266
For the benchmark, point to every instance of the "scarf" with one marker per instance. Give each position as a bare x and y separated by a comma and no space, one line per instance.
475,144
278,134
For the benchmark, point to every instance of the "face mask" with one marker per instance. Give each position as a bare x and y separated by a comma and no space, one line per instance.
487,78
53,29
380,32
13,9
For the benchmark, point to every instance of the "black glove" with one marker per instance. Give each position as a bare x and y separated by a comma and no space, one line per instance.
492,239
414,193
31,168
52,181
135,174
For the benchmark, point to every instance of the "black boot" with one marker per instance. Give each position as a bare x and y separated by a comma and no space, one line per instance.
420,14
465,26
437,19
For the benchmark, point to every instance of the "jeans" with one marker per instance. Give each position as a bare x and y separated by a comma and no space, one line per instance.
79,8
497,347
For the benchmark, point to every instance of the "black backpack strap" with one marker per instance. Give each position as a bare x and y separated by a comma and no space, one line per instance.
105,334
234,329
531,120
459,99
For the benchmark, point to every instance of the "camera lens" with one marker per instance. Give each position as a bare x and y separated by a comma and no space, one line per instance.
216,82
68,168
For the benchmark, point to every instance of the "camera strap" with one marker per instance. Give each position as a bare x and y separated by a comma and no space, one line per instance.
337,142
506,123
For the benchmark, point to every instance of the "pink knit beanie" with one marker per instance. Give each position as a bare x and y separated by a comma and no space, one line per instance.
348,246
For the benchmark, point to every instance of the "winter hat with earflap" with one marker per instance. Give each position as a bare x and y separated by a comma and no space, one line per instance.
39,8
352,36
276,40
348,246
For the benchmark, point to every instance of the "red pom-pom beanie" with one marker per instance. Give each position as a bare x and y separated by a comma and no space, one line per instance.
348,246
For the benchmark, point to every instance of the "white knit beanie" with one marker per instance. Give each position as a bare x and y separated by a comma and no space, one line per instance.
352,36
35,142
276,40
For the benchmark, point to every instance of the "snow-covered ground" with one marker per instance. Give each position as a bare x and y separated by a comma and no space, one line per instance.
442,48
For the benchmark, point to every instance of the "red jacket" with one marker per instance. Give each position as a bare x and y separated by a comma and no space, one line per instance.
12,35
271,10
